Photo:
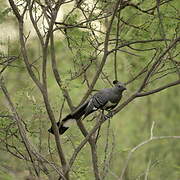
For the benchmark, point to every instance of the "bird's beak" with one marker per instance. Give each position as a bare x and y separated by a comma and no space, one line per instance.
124,88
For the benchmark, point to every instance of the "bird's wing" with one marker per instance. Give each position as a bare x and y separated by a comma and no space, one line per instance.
100,99
96,102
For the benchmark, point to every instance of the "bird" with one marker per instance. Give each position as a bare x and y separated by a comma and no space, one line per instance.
105,99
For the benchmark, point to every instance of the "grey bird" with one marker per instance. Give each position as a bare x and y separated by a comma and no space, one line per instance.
105,99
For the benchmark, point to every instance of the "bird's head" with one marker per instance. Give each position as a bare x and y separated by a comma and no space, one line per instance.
121,86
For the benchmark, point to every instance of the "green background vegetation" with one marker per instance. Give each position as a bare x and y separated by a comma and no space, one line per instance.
127,129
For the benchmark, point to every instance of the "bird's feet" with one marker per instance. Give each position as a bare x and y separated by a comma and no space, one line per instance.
108,115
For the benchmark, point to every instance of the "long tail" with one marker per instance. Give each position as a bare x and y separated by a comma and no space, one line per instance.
70,119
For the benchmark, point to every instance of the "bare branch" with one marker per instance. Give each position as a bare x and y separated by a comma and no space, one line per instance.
157,63
158,89
138,147
57,75
105,55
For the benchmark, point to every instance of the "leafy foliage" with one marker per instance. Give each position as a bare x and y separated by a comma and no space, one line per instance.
140,34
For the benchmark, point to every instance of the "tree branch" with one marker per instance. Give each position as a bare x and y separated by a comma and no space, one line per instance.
157,63
105,55
158,89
